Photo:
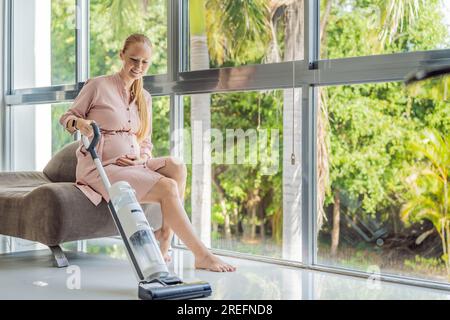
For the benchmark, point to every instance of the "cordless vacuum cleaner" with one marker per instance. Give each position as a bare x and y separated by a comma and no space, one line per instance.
155,282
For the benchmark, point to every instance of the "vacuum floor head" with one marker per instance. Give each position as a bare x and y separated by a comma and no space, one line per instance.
172,288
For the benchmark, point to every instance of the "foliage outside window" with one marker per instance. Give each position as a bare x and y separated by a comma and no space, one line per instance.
384,150
352,28
112,21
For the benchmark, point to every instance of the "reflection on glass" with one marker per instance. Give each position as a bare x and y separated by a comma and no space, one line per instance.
350,28
385,170
111,22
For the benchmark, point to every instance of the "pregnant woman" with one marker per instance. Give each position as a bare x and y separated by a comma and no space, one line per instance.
122,108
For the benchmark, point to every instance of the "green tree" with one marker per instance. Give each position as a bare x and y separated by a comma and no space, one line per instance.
113,20
359,114
63,35
430,192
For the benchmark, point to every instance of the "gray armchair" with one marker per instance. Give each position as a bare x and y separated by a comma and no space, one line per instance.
47,207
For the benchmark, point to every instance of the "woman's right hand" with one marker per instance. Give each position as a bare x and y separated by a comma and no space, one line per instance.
85,127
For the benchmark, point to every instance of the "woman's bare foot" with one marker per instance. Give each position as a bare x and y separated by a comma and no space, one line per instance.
165,238
212,263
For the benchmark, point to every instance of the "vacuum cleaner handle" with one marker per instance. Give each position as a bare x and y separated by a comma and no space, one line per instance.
91,146
427,73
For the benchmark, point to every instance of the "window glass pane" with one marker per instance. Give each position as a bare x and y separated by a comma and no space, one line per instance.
44,43
383,168
111,22
241,194
60,137
351,28
233,33
36,135
161,127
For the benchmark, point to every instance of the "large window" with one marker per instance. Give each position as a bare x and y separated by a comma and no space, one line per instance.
351,28
111,22
44,43
232,33
386,200
350,154
235,149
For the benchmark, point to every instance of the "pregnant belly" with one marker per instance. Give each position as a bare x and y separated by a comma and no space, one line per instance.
116,146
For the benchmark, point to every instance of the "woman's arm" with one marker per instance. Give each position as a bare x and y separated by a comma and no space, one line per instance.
80,107
146,148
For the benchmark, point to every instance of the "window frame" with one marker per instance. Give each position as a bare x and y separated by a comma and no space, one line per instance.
309,74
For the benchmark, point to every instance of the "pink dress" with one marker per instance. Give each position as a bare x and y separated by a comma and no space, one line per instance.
105,100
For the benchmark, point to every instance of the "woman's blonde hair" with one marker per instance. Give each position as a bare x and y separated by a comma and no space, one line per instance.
137,89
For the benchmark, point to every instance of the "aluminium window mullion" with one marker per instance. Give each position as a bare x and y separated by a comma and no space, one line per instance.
82,40
173,56
279,76
5,135
82,64
308,127
174,63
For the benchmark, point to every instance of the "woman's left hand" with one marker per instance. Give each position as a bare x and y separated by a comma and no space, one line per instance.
130,160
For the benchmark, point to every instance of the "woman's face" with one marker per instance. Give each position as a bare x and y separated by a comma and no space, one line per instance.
136,60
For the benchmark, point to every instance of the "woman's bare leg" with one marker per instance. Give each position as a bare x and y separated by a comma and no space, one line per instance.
166,193
177,171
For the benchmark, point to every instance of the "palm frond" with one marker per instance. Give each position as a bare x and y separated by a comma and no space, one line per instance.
244,20
394,13
121,15
435,148
421,208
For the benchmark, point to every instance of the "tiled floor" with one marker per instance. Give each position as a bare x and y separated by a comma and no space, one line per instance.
30,275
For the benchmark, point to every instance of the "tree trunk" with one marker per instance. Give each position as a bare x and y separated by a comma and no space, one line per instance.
236,219
336,223
445,237
200,126
252,204
253,223
227,227
324,19
262,216
395,221
292,178
323,165
323,168
222,197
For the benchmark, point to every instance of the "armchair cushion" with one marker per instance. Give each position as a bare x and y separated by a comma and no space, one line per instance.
48,208
62,167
